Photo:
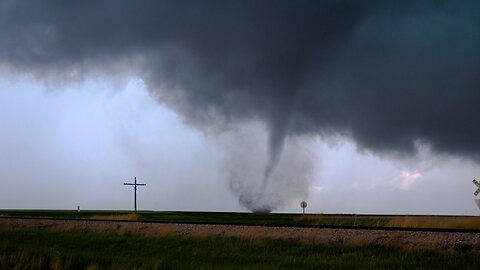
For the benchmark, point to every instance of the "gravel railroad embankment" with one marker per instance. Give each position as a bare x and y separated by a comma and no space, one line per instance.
409,239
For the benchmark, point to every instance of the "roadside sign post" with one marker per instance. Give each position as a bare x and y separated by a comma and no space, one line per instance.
477,201
134,192
303,205
478,187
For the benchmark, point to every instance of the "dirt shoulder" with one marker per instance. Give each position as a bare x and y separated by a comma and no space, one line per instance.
400,238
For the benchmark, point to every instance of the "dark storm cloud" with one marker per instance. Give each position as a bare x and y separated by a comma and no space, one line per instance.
388,74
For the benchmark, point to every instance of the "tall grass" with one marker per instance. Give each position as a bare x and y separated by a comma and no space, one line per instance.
41,249
435,222
462,222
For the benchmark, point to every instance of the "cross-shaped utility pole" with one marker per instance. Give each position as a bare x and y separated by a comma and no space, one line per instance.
135,192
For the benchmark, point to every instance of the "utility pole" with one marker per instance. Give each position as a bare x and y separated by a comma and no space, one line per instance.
135,191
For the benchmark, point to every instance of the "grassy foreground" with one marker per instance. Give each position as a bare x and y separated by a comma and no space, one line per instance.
452,222
43,249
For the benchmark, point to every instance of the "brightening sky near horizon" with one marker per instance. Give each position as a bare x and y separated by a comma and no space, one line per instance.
354,107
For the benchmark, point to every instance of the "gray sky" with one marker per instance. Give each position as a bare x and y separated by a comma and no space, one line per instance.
75,144
355,107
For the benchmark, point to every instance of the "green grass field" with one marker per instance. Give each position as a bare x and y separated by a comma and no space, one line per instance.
462,222
44,249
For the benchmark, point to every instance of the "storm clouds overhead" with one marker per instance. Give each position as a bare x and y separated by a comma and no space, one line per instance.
387,75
